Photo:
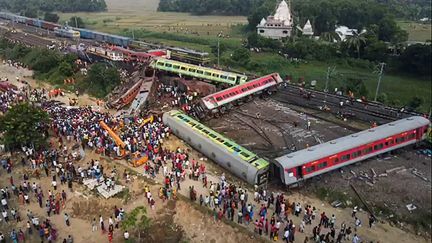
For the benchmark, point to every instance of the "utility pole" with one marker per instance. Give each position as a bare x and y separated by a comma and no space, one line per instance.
218,45
380,74
76,22
330,71
133,34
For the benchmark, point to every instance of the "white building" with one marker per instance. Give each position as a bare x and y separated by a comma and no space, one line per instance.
344,32
278,26
307,29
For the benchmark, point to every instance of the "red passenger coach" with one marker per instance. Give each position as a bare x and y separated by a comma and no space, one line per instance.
322,158
239,91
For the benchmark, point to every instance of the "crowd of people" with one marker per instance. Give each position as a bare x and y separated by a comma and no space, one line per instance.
270,214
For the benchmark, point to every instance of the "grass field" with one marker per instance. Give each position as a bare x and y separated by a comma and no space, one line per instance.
398,88
416,31
136,14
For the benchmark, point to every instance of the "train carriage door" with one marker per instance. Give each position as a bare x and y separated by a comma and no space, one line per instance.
290,176
299,172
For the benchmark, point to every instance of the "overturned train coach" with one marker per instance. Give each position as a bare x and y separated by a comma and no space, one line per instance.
222,100
231,156
301,165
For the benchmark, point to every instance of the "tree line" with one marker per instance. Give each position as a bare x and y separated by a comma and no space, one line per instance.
31,7
201,7
407,9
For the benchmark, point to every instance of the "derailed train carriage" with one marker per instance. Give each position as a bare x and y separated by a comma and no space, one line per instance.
231,156
298,166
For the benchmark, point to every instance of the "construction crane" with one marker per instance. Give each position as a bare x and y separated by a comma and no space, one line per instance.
114,137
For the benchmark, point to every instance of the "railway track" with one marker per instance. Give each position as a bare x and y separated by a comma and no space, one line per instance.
341,105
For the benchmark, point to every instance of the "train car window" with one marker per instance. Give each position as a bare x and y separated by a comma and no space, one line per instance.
200,72
322,165
228,144
215,75
225,96
367,150
355,154
232,94
411,136
219,98
168,65
223,77
246,155
236,149
345,157
220,140
310,168
244,89
336,160
231,78
176,66
207,73
192,70
378,146
183,68
212,135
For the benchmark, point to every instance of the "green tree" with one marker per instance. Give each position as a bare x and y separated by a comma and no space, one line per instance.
356,42
241,56
101,79
356,86
76,22
30,13
222,48
24,125
416,59
330,36
46,62
51,17
137,222
66,69
376,51
415,102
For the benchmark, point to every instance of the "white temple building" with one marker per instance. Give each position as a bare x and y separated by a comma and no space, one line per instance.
278,26
307,29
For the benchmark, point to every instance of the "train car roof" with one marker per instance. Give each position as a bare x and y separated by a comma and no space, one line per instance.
351,141
102,33
199,67
187,50
259,163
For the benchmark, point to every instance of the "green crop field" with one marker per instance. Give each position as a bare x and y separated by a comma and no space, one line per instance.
136,14
416,31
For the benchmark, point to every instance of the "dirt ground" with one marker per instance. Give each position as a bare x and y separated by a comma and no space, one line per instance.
182,220
388,196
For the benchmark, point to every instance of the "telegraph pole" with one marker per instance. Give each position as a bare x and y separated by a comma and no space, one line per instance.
76,22
218,45
380,74
329,72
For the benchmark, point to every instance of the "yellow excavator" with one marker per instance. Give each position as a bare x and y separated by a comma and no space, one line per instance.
148,120
115,137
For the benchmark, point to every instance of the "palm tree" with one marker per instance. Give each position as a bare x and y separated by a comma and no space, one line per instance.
356,41
330,36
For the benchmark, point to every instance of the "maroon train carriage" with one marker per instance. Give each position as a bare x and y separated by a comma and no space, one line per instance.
325,157
240,91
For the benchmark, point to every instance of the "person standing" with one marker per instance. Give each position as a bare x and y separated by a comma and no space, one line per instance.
66,218
94,225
